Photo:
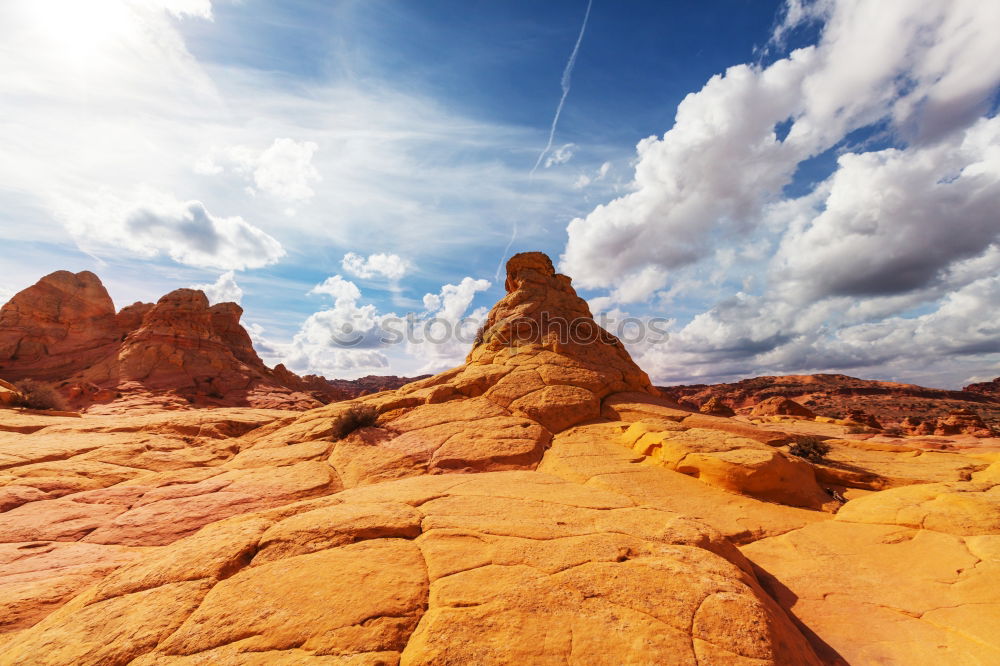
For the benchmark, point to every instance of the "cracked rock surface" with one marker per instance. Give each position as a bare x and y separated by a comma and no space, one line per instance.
540,504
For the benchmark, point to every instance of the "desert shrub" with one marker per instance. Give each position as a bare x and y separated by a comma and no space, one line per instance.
894,431
39,395
356,416
812,449
857,430
480,335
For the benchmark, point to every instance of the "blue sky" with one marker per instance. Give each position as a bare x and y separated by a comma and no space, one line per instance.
814,187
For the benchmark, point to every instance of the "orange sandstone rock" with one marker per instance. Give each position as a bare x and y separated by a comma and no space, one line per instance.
541,503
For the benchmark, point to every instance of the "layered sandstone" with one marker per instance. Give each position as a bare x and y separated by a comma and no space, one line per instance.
541,503
174,353
57,327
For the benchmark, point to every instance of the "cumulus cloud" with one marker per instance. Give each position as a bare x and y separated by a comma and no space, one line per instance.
153,224
389,266
338,339
894,61
354,338
340,289
447,329
284,170
223,290
895,220
887,262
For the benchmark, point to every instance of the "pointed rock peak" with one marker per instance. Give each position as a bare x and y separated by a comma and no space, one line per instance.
539,356
542,322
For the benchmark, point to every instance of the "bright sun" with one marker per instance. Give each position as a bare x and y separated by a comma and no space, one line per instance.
77,29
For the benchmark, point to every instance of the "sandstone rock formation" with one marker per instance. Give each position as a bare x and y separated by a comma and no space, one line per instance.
716,407
176,352
863,418
781,406
541,503
57,327
9,395
874,404
963,421
991,388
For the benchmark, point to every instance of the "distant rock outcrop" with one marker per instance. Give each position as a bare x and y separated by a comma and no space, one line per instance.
870,403
715,407
962,422
781,406
990,389
58,327
177,352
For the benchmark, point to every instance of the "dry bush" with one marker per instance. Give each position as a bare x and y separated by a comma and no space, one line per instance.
356,416
858,430
480,335
39,395
812,449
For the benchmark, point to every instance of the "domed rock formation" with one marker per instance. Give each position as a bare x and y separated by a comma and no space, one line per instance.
57,327
963,421
863,418
715,407
781,406
446,543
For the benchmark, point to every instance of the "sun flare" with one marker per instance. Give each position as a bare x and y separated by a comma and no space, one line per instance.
77,31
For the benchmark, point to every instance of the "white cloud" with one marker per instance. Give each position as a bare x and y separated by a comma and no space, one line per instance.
181,8
446,332
894,220
886,265
223,290
904,62
454,299
5,294
640,286
284,170
389,266
340,289
584,180
560,155
351,339
154,223
339,339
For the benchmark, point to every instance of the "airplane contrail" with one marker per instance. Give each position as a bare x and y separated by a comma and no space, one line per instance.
564,83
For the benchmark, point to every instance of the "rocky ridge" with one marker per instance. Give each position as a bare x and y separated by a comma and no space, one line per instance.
911,409
541,503
176,353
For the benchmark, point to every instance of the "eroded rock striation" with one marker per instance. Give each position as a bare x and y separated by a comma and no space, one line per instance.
541,503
